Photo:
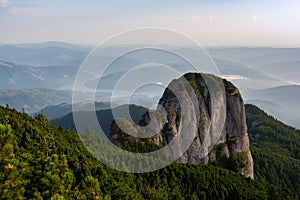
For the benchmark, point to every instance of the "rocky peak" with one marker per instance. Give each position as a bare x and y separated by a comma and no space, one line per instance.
218,122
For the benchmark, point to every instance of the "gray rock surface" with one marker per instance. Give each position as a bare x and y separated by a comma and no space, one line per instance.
210,112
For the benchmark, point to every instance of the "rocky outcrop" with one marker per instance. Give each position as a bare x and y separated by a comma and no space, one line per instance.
206,116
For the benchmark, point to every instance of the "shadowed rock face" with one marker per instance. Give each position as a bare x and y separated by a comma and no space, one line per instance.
211,111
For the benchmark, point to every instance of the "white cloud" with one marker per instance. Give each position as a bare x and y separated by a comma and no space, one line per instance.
293,83
4,3
195,19
254,18
5,65
11,81
231,77
211,18
41,78
26,11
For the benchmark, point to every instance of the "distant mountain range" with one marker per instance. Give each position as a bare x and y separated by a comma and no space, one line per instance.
33,100
54,65
57,103
44,54
58,111
281,102
14,76
105,117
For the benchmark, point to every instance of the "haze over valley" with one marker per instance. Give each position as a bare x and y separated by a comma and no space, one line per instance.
259,72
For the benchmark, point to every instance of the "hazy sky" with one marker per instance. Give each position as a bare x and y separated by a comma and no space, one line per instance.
211,22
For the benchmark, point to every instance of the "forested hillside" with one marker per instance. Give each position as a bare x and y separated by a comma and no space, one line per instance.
275,149
41,161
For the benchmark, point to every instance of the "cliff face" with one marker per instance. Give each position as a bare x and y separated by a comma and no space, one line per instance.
212,112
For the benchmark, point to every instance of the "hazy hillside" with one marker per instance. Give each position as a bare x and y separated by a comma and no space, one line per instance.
105,117
256,56
279,70
286,98
53,65
33,100
281,64
58,111
230,61
15,76
283,114
41,54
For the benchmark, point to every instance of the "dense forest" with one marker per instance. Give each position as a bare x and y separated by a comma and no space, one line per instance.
41,161
275,149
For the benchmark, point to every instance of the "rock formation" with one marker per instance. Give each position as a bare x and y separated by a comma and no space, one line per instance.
210,111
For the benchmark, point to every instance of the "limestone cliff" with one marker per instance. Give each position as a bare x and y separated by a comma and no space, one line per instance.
209,109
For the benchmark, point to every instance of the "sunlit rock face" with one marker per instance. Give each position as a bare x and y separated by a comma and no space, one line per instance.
209,111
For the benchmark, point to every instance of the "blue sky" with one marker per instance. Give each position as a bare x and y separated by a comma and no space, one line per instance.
214,22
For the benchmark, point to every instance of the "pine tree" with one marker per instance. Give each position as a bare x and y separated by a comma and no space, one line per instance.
11,182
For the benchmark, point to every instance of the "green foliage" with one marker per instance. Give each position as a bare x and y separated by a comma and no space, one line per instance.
12,170
40,161
275,149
